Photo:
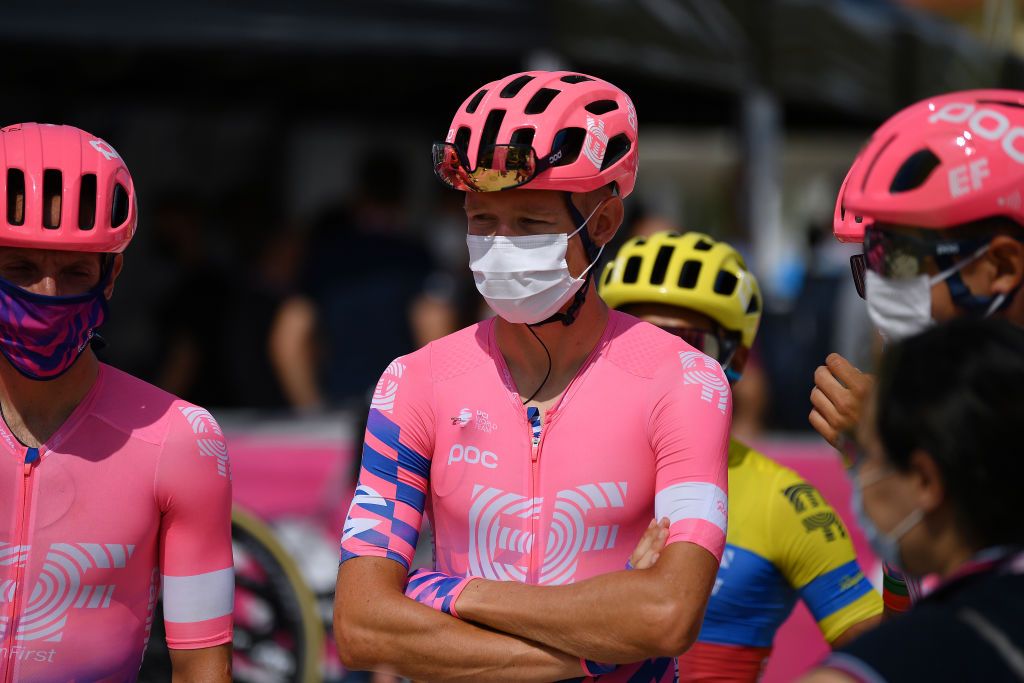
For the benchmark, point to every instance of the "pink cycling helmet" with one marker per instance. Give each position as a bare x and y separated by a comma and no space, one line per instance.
943,162
63,189
590,120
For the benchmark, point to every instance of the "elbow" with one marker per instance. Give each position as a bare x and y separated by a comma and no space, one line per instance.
674,628
355,642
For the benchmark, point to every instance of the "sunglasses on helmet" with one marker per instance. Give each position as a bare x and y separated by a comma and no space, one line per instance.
498,167
901,254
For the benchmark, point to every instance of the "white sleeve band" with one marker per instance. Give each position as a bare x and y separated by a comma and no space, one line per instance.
191,599
693,500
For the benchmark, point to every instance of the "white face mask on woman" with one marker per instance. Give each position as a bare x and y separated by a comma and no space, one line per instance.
902,307
526,279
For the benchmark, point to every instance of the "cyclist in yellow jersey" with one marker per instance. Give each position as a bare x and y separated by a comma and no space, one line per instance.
784,541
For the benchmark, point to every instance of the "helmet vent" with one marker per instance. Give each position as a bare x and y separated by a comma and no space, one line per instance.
87,202
462,139
15,196
570,140
914,171
702,245
618,146
119,208
491,127
523,136
725,283
661,264
632,271
689,274
575,78
475,102
608,276
539,102
599,107
53,185
754,306
513,88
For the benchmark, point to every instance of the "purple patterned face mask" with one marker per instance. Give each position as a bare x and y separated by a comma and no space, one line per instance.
42,336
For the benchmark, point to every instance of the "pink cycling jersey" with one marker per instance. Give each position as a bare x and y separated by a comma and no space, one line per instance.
642,430
133,491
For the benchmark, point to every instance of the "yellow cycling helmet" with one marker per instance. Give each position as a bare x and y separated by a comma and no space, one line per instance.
692,271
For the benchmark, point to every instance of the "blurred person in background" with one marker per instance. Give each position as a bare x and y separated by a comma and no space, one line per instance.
936,489
542,441
936,198
213,319
110,489
797,333
784,542
322,355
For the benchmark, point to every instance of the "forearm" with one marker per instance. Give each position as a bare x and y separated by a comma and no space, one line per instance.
617,618
376,630
206,665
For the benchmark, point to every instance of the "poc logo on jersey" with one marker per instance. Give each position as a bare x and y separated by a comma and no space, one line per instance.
471,455
987,124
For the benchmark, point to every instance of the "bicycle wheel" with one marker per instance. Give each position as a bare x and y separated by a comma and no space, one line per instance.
278,633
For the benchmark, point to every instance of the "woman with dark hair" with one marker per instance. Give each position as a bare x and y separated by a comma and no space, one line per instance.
936,492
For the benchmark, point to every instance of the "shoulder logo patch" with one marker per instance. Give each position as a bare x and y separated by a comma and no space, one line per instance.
801,496
828,523
707,373
387,388
209,437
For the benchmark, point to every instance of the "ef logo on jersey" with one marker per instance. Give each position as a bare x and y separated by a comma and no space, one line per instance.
472,455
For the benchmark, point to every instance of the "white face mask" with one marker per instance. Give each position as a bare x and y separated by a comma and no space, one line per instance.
525,279
902,307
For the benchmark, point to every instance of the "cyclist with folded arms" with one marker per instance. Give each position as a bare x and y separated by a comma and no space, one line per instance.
541,442
936,199
785,542
110,489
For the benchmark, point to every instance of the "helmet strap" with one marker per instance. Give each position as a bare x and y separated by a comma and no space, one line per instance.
592,251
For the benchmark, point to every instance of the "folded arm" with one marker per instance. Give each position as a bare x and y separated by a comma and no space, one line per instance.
621,617
377,626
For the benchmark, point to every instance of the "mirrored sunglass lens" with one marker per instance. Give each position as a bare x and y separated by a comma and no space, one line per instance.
890,256
448,166
858,266
508,158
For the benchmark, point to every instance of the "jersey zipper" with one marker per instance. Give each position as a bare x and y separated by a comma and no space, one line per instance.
532,574
31,460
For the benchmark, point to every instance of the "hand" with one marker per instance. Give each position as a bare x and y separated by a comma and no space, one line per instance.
838,397
648,550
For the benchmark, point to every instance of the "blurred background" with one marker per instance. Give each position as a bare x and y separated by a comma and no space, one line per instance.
293,240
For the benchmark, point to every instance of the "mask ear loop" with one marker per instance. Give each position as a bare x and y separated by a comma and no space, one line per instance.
97,342
593,253
569,317
983,306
